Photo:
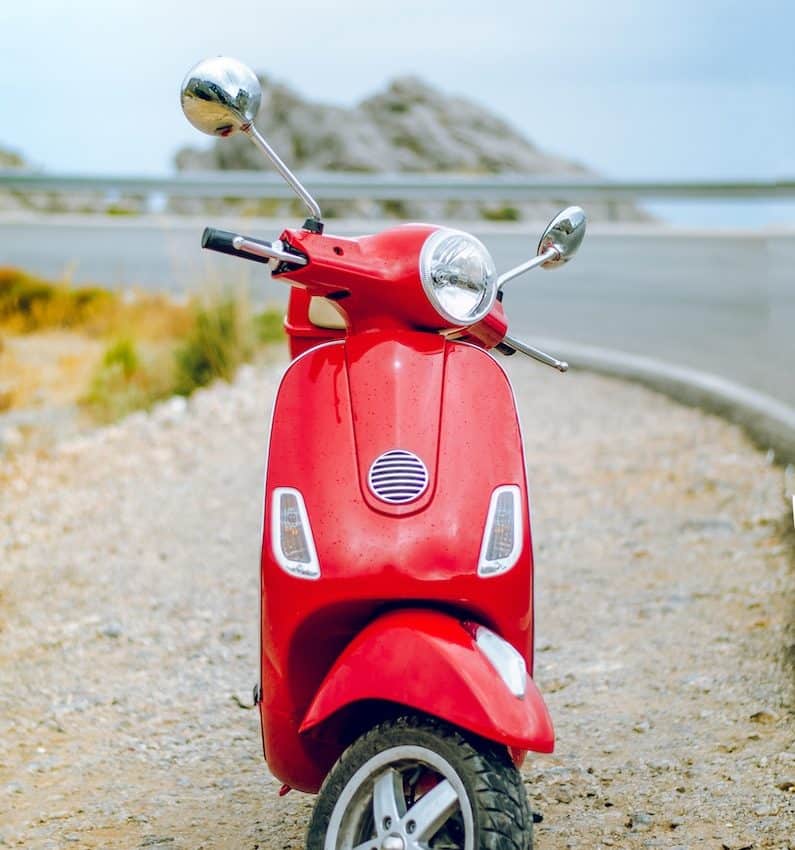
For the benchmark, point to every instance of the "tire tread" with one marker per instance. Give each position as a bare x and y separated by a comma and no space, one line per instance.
500,806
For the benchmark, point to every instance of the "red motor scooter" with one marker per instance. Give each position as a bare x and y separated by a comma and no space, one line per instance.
397,573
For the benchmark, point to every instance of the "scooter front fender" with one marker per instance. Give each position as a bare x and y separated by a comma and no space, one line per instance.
428,661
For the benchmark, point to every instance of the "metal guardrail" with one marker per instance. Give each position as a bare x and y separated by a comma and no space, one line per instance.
340,186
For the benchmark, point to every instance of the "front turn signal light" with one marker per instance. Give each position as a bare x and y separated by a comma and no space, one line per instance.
291,534
503,657
502,536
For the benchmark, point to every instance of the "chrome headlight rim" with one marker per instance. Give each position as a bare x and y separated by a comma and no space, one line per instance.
426,256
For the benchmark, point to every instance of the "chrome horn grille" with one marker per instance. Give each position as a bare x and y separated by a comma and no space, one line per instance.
397,477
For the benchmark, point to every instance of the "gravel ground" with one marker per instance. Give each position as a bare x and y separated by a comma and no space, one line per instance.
128,628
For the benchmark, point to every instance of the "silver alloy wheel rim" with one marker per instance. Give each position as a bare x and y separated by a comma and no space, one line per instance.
373,789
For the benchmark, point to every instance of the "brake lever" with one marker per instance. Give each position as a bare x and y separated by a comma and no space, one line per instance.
535,353
272,251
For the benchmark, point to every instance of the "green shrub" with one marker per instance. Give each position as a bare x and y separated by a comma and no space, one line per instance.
504,213
219,341
124,355
269,326
125,381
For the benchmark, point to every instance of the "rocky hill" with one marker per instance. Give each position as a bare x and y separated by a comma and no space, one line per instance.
408,127
10,159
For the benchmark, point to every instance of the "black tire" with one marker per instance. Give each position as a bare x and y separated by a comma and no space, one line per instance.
493,815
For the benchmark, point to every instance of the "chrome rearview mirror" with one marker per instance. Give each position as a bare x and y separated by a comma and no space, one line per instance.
221,96
562,237
559,243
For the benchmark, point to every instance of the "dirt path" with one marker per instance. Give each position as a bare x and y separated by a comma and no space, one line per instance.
128,629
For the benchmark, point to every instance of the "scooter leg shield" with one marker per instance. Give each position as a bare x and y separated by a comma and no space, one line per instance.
428,661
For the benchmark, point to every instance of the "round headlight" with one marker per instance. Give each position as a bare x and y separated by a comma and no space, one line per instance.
458,276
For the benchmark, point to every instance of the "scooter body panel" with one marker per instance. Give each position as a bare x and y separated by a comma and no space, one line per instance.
428,660
339,406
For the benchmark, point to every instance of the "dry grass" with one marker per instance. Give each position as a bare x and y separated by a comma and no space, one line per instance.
30,304
55,366
116,353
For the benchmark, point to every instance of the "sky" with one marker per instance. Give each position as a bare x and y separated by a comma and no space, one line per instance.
645,88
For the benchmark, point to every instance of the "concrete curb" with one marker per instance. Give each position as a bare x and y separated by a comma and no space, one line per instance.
770,423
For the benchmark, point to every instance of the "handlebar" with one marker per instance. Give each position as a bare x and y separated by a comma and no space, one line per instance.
226,242
236,245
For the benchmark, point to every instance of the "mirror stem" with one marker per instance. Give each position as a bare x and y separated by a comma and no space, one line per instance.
536,354
311,204
549,254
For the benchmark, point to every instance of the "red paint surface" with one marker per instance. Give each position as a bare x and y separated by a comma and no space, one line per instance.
337,409
375,283
383,621
428,660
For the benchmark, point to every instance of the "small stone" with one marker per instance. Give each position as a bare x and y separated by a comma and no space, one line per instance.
699,683
786,785
639,820
763,716
111,629
765,811
552,686
231,635
641,727
709,525
241,703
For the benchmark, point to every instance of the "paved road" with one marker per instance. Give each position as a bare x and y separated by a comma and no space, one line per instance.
718,302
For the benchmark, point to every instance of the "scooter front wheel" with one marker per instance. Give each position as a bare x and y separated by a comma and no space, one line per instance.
416,783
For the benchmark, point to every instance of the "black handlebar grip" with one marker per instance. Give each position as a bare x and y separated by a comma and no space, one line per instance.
221,241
